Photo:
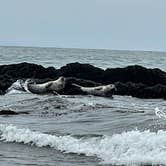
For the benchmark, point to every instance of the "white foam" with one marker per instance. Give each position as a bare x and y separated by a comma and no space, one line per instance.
19,86
128,148
160,113
16,87
14,91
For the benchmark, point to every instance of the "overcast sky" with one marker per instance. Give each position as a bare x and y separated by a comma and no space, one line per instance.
113,24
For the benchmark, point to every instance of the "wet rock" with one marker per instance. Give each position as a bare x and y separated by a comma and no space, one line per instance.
135,74
136,81
141,90
27,70
129,88
81,71
11,112
133,80
8,112
156,91
5,82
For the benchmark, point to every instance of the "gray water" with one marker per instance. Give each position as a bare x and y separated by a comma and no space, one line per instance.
82,130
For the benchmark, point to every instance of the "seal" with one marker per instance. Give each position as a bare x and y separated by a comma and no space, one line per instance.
48,87
103,90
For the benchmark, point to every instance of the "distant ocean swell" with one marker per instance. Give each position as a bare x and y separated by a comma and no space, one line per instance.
128,148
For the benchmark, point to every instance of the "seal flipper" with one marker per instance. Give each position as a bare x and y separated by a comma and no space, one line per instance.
76,85
76,89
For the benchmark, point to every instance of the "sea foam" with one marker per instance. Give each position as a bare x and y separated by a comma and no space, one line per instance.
127,148
16,87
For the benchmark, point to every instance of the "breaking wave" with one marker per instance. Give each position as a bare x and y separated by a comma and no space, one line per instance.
127,148
20,86
16,87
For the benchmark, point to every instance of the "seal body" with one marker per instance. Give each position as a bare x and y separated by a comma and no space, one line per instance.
48,87
104,90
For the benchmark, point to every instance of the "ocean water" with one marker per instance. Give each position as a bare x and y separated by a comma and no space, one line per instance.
82,130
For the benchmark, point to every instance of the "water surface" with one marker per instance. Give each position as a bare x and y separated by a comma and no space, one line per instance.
82,130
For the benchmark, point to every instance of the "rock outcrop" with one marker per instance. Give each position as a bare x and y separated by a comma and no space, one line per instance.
133,80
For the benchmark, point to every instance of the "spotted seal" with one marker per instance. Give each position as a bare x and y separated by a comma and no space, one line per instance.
103,90
48,87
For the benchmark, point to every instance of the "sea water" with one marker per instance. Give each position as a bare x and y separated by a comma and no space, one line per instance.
82,130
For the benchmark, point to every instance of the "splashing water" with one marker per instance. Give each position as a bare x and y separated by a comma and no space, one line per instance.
129,148
19,86
160,113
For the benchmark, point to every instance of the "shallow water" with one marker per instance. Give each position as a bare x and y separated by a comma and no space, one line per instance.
82,130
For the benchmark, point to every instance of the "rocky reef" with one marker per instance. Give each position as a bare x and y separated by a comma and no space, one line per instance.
136,81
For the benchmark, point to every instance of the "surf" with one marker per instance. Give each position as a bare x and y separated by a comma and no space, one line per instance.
128,148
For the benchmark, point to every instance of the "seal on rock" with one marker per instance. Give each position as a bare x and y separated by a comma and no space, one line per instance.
103,90
48,87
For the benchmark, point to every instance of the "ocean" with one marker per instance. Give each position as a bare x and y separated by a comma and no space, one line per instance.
82,130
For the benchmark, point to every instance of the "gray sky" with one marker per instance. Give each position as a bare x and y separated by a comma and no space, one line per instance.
113,24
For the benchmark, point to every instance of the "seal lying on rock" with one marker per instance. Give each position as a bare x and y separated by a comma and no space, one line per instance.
48,87
103,90
59,86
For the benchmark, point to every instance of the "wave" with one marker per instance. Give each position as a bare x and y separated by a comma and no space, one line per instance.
16,87
128,148
20,86
160,113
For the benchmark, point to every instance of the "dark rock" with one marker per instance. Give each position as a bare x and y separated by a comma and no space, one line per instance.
5,82
134,74
141,90
27,70
82,71
156,91
10,112
129,88
134,80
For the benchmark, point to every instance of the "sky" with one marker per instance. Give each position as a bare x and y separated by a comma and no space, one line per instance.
110,24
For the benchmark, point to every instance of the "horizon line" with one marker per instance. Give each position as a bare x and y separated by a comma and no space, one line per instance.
83,48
